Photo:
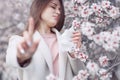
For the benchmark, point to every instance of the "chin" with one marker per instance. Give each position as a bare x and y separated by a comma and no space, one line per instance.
53,24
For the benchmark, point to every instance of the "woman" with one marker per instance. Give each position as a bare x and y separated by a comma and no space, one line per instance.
38,52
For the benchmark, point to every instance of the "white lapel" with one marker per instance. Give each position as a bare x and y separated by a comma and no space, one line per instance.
44,50
62,57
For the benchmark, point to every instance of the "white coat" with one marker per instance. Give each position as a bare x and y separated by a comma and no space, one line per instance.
41,63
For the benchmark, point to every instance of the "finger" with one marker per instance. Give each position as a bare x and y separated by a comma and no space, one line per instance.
75,41
31,26
34,46
75,34
22,54
20,49
32,49
78,43
76,38
28,39
22,46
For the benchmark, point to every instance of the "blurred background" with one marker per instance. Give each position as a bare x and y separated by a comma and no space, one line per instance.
13,16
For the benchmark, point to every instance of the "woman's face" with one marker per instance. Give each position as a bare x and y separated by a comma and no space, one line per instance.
51,14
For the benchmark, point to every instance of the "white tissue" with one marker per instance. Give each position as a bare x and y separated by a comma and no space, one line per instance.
66,40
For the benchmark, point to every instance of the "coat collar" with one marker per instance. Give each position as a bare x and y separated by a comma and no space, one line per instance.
47,55
62,57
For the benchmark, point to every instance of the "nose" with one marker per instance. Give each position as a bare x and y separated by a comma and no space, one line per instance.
58,11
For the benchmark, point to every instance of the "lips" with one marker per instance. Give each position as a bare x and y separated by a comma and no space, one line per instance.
56,17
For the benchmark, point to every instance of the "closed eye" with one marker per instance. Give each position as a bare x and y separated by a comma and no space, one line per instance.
54,7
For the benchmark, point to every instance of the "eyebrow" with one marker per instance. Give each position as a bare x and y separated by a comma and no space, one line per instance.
54,3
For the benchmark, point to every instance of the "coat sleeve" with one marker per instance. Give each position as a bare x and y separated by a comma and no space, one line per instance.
76,64
11,56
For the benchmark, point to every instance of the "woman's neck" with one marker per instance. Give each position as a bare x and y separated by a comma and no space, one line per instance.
44,29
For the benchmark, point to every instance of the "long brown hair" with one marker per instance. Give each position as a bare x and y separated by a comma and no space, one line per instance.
37,8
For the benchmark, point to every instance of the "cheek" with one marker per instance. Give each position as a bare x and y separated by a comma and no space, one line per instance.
46,14
49,20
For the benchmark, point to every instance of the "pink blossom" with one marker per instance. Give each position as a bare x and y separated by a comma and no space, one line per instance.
98,39
104,75
79,1
82,75
87,29
51,77
103,61
95,7
92,68
105,4
80,55
76,24
114,12
86,12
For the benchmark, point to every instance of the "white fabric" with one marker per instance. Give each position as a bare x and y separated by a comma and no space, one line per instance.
41,63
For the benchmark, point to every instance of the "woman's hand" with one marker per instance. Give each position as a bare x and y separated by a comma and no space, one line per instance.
76,39
27,47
